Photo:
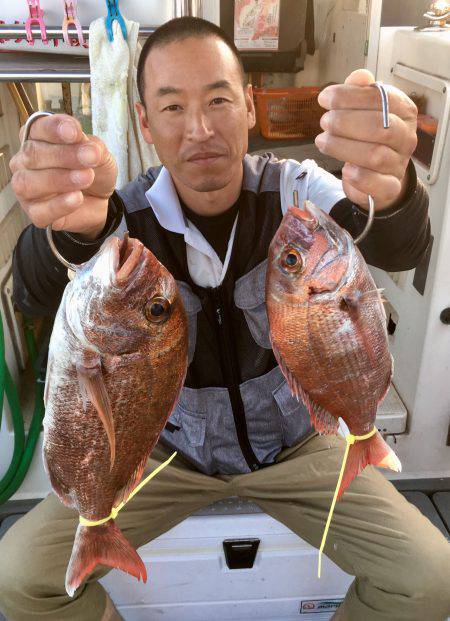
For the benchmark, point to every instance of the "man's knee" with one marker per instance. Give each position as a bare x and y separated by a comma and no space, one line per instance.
16,568
29,567
427,575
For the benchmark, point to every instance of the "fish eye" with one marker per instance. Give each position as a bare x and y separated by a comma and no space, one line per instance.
291,260
157,309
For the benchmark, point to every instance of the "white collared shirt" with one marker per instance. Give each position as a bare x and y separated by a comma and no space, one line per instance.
205,267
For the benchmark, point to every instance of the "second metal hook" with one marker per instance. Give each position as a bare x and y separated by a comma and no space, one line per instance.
386,125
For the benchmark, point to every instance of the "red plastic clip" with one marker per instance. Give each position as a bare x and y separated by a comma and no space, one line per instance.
36,16
70,17
2,40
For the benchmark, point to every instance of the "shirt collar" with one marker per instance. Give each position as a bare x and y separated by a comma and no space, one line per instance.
163,199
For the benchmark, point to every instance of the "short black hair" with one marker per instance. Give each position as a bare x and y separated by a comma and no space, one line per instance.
176,30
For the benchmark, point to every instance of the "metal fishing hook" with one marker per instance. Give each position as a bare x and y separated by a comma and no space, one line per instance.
31,119
386,125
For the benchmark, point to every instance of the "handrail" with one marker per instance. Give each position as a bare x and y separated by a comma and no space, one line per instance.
74,69
17,31
41,77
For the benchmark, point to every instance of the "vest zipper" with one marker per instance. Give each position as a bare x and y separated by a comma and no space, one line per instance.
229,365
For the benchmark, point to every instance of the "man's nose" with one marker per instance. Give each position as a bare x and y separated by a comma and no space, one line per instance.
198,126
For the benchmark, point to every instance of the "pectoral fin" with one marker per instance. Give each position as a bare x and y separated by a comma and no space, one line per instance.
352,301
93,388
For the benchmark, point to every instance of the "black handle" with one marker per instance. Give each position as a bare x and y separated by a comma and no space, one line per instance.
240,553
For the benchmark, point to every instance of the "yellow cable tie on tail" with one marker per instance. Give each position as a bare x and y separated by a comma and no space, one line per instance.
115,510
350,439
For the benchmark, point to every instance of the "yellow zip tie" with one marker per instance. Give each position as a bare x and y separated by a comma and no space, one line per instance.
350,439
115,510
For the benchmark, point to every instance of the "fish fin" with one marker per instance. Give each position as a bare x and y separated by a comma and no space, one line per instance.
61,490
92,385
106,545
123,494
292,382
381,296
322,420
351,303
48,376
373,451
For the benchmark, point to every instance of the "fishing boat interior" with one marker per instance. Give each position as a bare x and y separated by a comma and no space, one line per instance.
231,561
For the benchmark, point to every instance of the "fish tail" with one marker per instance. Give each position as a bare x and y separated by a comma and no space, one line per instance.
373,451
104,544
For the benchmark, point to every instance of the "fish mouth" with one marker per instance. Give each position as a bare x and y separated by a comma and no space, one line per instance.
129,254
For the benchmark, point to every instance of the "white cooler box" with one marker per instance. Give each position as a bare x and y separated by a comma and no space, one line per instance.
206,569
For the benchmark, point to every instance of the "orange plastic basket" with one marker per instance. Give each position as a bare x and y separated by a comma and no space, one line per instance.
290,112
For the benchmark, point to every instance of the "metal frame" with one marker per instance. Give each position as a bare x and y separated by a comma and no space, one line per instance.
373,35
17,31
16,77
441,86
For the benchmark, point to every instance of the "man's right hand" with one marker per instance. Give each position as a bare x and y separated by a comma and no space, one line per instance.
63,177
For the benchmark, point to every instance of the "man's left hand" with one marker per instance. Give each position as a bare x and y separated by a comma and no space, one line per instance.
376,159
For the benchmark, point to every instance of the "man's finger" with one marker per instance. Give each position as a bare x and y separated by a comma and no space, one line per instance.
358,198
376,157
43,213
70,212
86,218
386,187
367,126
56,128
33,185
360,77
350,97
38,155
105,172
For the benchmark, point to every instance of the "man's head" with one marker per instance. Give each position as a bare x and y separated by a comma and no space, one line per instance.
195,106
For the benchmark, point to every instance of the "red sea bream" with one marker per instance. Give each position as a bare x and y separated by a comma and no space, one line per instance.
117,363
328,331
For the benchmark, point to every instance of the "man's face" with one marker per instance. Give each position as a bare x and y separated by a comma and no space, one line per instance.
197,112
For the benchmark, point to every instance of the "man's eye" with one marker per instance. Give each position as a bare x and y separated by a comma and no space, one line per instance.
173,108
219,100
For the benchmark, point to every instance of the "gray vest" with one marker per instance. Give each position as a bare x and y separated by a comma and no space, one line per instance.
275,419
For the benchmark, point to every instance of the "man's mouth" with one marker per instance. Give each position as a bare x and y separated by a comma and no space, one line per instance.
208,157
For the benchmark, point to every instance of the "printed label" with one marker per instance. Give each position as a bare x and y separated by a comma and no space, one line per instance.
320,605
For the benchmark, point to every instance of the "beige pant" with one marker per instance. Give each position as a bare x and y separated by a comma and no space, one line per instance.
400,560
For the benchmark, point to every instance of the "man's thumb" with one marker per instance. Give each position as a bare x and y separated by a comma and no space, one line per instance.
360,77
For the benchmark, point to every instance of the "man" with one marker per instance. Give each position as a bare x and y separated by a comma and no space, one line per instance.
209,215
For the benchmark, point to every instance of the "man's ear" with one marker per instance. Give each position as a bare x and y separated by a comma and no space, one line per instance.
251,114
143,122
